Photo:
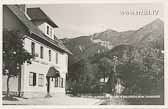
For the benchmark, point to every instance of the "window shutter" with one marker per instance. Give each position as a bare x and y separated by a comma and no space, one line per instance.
34,79
56,82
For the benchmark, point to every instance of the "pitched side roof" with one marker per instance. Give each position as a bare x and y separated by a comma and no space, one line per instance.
53,72
34,30
38,14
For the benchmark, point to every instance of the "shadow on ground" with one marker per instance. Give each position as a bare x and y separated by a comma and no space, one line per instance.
133,101
10,98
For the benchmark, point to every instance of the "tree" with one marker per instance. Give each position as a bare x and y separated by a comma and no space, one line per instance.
82,77
14,54
105,66
143,74
86,75
106,71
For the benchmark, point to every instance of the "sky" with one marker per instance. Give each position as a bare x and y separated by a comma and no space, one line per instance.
76,20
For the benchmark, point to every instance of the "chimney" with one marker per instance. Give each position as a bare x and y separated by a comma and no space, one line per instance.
22,7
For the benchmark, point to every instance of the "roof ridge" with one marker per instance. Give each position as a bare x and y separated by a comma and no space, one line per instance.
34,29
35,15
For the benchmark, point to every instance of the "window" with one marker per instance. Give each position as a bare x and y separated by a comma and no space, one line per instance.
56,58
50,32
59,82
56,82
41,80
41,52
62,82
48,28
32,79
33,48
49,52
66,60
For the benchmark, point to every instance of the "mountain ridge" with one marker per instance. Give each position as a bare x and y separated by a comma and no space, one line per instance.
85,46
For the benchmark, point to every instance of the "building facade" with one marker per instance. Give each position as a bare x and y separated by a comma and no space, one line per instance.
47,72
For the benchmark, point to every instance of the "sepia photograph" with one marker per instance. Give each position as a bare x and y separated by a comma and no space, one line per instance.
83,54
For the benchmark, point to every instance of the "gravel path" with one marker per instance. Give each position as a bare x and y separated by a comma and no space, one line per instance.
55,100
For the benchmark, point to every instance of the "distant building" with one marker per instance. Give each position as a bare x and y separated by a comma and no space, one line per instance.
48,70
105,80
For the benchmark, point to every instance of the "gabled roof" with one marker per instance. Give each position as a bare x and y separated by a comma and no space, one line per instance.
36,14
53,72
34,30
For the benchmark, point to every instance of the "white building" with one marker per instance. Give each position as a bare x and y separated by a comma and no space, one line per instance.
48,70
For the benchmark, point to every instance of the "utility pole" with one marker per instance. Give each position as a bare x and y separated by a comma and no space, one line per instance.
115,59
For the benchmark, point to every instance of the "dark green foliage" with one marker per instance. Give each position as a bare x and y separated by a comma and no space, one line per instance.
14,54
82,47
105,66
13,49
144,73
140,70
82,76
140,63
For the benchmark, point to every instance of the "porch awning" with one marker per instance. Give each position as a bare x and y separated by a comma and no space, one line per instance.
53,72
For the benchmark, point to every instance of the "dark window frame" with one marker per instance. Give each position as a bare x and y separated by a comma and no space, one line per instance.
41,52
49,53
48,29
62,82
33,78
56,82
33,48
56,57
